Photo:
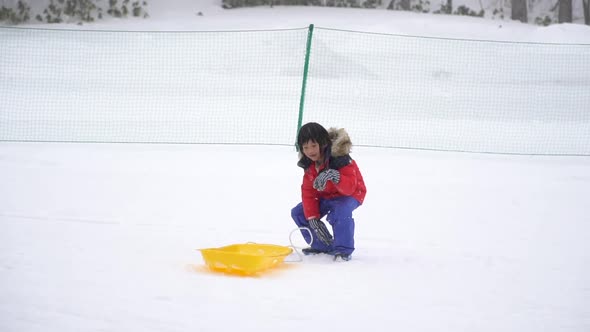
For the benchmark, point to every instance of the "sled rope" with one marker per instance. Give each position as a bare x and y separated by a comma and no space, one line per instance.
296,248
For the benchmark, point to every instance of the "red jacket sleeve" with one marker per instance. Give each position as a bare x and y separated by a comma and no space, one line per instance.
309,197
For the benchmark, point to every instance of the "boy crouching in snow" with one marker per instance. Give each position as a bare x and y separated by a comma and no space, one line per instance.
332,185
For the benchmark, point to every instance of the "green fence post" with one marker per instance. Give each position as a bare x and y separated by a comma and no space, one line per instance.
304,83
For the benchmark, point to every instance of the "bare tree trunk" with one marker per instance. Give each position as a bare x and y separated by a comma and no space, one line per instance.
586,11
565,11
449,6
404,4
519,10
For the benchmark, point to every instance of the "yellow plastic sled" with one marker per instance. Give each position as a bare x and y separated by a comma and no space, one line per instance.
245,259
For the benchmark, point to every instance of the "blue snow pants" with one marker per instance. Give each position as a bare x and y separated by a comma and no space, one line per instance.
339,212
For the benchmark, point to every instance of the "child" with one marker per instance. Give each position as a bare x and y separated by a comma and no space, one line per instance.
332,186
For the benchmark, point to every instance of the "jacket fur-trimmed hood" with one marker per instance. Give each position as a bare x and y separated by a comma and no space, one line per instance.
339,149
341,143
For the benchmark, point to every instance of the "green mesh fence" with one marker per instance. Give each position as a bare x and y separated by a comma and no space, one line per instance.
245,87
157,87
447,94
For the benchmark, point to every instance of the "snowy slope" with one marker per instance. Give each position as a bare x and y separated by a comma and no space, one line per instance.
184,15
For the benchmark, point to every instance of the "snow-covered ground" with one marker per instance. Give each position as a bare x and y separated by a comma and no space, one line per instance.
103,237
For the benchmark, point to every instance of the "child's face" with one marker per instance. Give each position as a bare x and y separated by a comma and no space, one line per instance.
312,150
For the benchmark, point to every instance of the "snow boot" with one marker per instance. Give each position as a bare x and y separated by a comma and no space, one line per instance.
342,257
311,251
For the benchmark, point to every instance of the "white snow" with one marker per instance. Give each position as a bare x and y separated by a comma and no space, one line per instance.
103,237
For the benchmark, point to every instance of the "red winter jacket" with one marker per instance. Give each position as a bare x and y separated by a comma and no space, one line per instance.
351,180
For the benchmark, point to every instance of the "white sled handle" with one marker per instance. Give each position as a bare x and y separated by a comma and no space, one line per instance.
295,248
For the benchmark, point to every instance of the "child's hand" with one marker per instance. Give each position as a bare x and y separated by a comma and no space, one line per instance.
330,174
320,231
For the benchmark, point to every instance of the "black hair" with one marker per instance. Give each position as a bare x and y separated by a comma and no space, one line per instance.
313,132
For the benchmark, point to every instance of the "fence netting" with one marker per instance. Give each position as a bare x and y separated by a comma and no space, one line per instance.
244,87
452,94
150,87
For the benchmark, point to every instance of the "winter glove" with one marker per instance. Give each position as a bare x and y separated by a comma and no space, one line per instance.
330,174
320,231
